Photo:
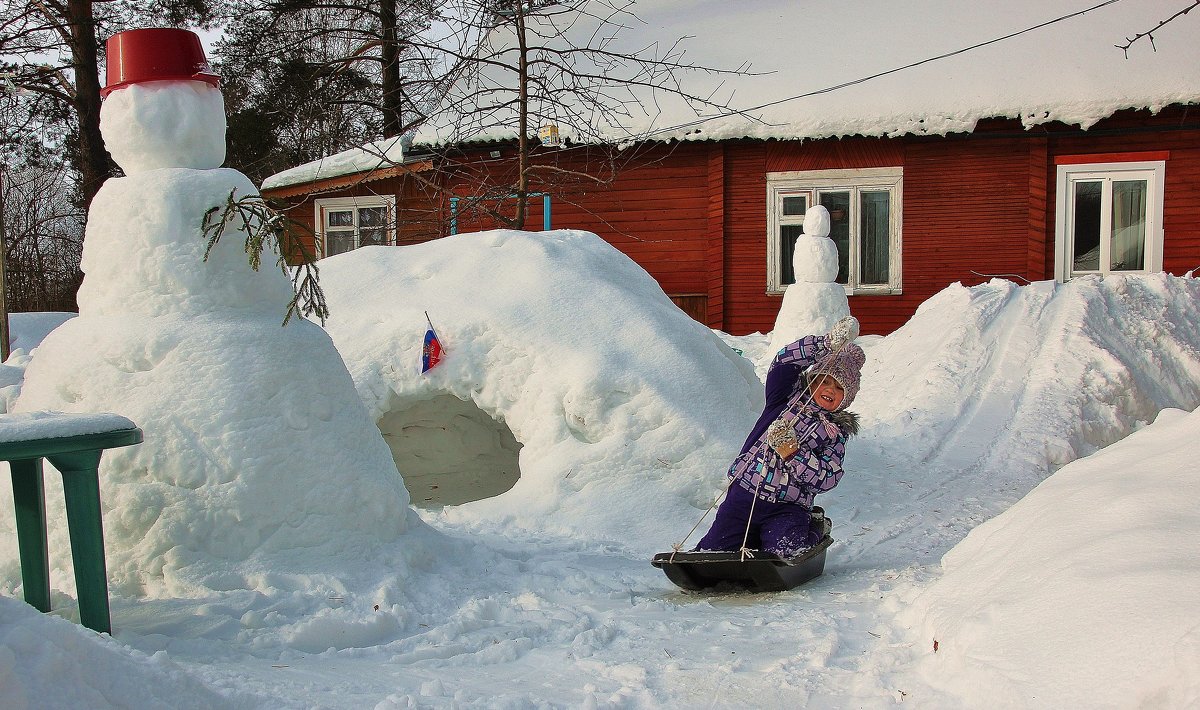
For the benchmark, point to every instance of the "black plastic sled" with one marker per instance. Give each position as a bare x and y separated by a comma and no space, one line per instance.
758,572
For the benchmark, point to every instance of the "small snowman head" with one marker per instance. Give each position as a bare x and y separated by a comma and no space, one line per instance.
162,105
816,221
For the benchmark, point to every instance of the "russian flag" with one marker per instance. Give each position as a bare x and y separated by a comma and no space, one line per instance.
431,351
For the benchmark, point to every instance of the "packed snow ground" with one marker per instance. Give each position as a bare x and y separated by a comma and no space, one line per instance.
1079,593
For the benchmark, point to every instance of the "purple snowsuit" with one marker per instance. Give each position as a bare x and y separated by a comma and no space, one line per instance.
784,488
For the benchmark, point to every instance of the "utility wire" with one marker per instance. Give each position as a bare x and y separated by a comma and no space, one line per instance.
853,82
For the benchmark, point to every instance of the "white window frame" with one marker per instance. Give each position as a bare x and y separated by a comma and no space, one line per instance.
1153,171
320,206
812,183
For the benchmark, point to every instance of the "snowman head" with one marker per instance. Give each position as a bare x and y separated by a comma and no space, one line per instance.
816,221
162,107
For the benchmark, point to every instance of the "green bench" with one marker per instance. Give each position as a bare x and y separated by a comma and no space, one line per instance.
73,444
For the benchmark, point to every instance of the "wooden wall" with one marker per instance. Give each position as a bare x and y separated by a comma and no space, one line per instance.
694,214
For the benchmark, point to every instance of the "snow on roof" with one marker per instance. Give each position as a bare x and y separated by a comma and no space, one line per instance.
812,64
372,156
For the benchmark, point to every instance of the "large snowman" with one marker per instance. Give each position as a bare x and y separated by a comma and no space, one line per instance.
256,444
815,302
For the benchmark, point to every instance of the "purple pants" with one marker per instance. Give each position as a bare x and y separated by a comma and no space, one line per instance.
781,528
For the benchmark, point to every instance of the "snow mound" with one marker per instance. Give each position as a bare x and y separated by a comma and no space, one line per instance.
26,332
624,410
239,459
1074,596
47,662
1036,376
989,389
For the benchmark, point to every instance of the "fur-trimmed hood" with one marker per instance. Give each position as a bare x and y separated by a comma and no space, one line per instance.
845,420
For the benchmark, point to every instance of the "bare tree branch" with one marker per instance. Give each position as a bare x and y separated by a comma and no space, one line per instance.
1149,34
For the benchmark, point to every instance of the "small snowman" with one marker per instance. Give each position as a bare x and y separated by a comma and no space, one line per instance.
256,442
815,302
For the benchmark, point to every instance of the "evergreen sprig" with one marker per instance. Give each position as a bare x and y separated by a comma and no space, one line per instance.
264,226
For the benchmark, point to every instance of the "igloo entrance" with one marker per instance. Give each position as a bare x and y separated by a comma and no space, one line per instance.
450,451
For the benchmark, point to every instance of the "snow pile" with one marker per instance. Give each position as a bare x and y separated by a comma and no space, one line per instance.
51,663
987,390
625,411
1083,594
564,346
1036,376
26,331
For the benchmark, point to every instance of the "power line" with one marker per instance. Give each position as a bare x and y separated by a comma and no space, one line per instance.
853,82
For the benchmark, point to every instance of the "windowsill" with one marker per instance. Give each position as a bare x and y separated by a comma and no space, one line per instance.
860,291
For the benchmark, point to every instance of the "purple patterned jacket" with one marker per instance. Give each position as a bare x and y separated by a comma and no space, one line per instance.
817,466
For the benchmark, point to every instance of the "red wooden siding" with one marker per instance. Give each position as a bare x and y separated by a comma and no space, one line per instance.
655,209
747,306
1040,227
694,215
714,252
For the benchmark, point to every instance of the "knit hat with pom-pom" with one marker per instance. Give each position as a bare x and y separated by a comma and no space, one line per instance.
845,366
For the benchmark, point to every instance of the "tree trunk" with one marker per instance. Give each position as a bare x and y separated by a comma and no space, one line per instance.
522,121
4,338
93,160
391,95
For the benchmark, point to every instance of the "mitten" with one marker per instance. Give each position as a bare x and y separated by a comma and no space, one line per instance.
844,331
780,435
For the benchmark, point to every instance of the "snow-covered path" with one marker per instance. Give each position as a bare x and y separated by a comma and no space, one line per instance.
966,409
528,623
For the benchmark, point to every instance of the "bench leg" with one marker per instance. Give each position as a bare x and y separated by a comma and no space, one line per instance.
30,504
81,488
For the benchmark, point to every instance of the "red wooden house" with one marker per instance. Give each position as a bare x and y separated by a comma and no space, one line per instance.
1053,158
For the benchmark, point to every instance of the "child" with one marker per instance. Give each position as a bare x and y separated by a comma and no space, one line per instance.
796,447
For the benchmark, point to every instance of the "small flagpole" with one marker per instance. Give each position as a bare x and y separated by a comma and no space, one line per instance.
440,344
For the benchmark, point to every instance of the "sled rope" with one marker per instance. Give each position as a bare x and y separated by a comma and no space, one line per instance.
678,547
746,536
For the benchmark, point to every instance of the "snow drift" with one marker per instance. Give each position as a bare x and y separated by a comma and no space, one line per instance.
1075,596
625,410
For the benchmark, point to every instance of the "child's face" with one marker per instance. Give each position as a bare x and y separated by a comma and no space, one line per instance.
827,392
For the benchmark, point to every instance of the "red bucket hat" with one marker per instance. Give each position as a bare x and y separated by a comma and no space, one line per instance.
155,54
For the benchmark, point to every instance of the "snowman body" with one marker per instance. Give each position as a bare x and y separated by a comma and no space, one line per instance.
815,302
256,443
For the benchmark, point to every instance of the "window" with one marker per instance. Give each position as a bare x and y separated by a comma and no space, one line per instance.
1109,218
346,223
864,214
